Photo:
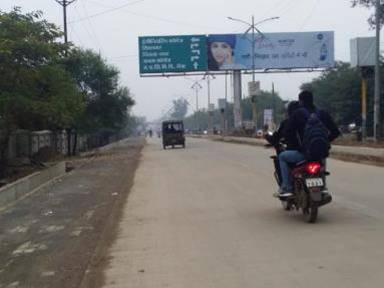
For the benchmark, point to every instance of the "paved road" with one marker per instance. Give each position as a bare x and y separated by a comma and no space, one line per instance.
205,217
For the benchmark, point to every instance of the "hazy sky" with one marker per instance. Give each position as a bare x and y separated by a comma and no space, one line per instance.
112,27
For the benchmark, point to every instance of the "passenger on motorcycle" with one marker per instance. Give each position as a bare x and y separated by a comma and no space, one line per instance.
294,130
279,135
280,140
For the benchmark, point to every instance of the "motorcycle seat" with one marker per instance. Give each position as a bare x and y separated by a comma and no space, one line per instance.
294,165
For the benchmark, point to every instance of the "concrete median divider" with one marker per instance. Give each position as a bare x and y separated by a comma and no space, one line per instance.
27,185
348,152
359,151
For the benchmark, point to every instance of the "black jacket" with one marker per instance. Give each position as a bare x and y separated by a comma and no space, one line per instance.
296,124
280,135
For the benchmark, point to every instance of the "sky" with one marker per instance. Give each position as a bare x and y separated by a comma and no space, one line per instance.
112,28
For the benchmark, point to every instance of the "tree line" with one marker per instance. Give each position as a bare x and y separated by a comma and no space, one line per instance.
48,84
265,100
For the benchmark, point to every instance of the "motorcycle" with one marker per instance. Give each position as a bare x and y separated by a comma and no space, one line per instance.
309,184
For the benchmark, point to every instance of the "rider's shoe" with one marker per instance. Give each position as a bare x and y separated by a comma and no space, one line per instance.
283,192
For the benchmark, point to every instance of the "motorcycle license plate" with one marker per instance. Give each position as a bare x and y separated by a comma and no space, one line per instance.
314,182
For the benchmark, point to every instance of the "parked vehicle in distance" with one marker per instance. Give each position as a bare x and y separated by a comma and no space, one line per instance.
173,133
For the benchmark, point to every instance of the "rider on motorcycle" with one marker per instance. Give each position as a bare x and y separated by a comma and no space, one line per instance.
294,129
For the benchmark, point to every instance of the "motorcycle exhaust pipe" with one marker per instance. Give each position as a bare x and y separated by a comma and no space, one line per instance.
325,199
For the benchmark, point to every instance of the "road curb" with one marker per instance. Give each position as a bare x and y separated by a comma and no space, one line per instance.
28,185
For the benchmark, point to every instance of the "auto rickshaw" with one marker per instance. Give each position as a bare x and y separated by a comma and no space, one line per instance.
173,133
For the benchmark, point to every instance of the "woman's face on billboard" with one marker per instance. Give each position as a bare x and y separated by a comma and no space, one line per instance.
221,52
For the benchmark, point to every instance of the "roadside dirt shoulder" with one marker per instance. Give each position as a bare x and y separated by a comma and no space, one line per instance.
59,235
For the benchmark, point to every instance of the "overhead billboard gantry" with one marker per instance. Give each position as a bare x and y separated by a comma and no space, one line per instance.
220,53
166,56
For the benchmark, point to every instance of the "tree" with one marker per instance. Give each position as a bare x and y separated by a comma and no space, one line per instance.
338,90
264,101
370,4
46,84
136,125
35,91
107,103
180,108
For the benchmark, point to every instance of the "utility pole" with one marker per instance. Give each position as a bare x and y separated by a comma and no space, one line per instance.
65,3
376,120
226,105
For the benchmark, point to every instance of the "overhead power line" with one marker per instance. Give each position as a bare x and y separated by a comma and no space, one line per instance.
106,11
312,11
152,17
92,29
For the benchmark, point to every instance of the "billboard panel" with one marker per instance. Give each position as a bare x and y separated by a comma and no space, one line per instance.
163,54
222,103
268,116
363,51
254,88
272,51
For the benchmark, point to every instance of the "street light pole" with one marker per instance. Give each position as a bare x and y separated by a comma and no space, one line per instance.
376,120
196,85
251,27
253,48
210,113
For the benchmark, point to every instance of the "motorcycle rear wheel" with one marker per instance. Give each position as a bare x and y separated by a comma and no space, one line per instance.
310,212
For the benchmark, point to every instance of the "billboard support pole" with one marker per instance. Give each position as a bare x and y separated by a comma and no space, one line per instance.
197,110
222,121
254,113
209,106
363,109
237,99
